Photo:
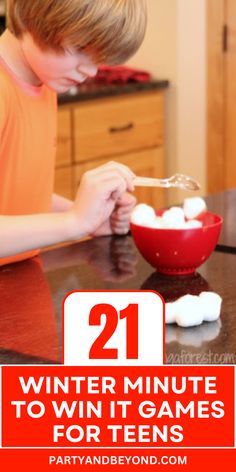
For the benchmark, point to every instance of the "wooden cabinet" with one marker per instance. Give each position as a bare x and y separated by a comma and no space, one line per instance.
118,125
64,181
126,128
221,95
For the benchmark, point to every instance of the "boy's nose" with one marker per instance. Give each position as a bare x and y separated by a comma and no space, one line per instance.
88,71
94,71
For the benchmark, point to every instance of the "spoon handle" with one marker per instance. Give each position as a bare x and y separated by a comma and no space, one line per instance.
151,182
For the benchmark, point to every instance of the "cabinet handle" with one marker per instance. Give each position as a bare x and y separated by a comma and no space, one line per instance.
119,129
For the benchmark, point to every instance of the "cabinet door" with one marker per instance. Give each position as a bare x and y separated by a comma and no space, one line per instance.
221,95
149,163
64,137
230,96
63,182
118,125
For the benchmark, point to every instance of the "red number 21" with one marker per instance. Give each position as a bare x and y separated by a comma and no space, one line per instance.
130,313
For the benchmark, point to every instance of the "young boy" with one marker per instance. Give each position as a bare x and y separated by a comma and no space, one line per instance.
48,47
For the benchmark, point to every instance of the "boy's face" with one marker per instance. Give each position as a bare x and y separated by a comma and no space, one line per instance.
59,72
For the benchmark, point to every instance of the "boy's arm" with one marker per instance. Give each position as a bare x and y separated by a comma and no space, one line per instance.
25,233
98,193
60,203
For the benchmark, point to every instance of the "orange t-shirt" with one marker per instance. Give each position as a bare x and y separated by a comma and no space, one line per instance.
27,148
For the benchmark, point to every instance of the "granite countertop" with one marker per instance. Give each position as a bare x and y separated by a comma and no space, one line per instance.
93,91
32,293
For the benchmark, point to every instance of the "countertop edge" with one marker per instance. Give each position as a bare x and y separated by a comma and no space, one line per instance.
111,90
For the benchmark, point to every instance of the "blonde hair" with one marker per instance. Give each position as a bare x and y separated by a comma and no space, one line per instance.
109,30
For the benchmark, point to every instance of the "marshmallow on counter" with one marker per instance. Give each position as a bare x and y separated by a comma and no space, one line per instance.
211,305
193,207
143,215
192,310
188,311
170,313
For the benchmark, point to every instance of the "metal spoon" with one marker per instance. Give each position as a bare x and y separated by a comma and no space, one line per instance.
178,180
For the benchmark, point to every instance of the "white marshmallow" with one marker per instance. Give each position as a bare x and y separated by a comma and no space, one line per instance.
143,215
193,224
192,310
170,313
188,311
178,212
193,207
174,217
210,305
158,223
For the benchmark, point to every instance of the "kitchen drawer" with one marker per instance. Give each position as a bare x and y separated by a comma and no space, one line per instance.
63,182
117,125
64,137
147,163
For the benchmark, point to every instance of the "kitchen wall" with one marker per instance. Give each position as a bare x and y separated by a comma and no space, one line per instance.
175,48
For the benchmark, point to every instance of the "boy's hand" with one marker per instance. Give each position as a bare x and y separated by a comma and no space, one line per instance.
102,193
118,223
